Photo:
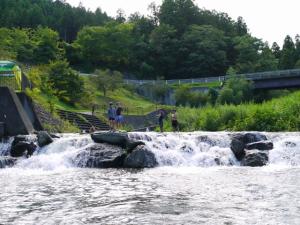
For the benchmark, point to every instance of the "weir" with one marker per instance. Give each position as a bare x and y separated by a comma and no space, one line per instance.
197,149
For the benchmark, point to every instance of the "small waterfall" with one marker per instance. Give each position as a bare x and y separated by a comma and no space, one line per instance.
197,149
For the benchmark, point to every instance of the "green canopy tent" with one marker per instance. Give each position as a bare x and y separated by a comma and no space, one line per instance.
10,75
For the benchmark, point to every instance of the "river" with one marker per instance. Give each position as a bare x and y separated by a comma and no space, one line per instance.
188,187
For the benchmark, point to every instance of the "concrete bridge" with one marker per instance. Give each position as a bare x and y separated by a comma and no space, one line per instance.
263,80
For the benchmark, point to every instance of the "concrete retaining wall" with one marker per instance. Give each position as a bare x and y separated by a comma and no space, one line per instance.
13,114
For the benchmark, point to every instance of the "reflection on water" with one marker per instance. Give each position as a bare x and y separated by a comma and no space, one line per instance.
165,195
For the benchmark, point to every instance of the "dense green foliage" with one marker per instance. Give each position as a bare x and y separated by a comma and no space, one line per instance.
280,114
178,40
55,14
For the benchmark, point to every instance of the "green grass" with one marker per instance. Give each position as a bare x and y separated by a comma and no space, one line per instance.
215,84
281,114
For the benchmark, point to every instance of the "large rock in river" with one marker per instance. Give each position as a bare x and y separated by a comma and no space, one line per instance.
115,138
44,138
22,148
101,156
141,157
255,158
240,140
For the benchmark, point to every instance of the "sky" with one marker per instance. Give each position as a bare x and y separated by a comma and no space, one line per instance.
270,20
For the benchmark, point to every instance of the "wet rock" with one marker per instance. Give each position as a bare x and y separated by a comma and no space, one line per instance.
240,141
22,148
237,146
253,137
7,162
44,138
260,145
290,144
101,156
255,158
141,157
187,149
118,139
19,138
207,140
54,135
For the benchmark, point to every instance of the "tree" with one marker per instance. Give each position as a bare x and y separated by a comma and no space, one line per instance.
179,14
288,58
236,90
47,45
267,60
107,45
241,26
247,48
276,50
107,80
66,83
203,51
164,44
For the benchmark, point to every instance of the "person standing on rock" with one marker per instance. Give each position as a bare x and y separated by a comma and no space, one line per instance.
174,121
119,116
161,120
111,112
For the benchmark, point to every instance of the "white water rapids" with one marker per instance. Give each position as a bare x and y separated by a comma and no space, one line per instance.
198,181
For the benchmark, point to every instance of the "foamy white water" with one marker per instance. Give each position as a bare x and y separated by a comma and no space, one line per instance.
198,181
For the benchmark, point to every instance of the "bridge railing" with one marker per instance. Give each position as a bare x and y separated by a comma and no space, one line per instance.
248,76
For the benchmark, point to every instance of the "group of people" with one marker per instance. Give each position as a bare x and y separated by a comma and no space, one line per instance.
174,121
115,116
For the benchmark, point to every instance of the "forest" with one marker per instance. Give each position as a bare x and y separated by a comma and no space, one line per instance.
177,40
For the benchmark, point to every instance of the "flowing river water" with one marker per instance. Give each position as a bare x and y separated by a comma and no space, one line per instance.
198,181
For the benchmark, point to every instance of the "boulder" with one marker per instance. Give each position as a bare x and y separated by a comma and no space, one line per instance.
100,156
255,158
44,138
19,138
240,141
22,148
141,157
238,148
260,145
115,138
7,162
253,137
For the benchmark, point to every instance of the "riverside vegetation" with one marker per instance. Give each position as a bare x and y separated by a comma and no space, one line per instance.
178,40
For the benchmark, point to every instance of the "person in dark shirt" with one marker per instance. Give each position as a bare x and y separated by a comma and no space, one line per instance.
111,113
174,121
119,116
161,120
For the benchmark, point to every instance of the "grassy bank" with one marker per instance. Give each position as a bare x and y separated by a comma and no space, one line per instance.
280,114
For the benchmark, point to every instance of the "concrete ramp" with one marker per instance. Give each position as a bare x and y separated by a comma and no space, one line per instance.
13,114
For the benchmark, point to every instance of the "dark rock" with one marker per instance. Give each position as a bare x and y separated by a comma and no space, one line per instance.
253,137
207,140
101,156
118,139
239,142
22,148
255,158
19,138
141,157
260,145
290,144
237,146
54,135
7,162
44,138
187,149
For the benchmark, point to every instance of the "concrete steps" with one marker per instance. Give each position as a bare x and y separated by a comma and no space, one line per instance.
82,121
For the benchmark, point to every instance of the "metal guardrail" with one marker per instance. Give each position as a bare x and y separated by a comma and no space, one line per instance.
248,76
